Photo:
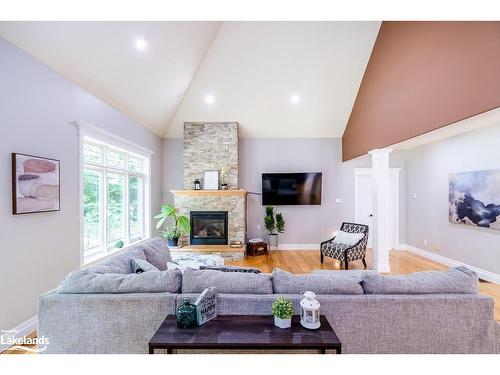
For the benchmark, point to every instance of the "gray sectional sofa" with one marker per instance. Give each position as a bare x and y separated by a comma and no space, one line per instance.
108,309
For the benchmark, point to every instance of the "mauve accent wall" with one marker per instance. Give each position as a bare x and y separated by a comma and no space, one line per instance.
37,106
422,76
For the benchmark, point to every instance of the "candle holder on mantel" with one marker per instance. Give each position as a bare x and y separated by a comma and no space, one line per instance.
197,184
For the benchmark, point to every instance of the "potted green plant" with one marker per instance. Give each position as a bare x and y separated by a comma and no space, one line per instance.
274,223
283,312
180,224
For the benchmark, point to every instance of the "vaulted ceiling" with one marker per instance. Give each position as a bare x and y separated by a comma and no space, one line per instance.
277,79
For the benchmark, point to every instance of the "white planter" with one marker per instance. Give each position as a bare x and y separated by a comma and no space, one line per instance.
273,241
282,323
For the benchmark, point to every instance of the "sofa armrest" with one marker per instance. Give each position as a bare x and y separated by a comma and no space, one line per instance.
497,337
101,323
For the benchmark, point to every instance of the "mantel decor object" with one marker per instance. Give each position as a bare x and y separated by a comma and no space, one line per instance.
309,311
197,184
211,180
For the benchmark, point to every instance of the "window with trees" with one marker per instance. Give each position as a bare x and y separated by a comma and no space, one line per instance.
114,198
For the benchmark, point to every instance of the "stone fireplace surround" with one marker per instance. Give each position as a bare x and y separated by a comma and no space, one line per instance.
211,146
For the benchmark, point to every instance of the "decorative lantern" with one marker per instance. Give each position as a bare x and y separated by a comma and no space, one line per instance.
309,311
197,184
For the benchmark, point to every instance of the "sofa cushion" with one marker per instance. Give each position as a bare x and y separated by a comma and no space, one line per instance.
289,283
120,263
88,282
140,266
157,252
459,280
195,281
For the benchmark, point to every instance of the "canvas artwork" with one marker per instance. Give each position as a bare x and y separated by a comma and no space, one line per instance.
35,184
474,198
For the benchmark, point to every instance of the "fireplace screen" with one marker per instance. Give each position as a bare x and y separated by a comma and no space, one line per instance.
208,228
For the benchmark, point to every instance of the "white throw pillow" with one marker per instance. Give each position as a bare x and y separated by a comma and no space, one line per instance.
349,239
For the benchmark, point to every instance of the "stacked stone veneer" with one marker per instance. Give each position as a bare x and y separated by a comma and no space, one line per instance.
235,205
210,146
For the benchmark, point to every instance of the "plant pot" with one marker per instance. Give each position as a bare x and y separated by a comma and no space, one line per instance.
173,241
282,323
273,241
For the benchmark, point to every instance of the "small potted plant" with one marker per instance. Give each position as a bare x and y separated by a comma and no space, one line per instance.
274,221
181,224
283,312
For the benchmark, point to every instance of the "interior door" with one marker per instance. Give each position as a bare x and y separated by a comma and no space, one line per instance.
364,204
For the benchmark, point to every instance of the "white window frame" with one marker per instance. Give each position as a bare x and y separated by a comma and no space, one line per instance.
107,140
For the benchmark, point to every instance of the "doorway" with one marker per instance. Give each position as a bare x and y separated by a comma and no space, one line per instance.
363,203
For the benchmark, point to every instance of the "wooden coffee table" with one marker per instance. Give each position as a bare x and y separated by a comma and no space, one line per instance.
251,332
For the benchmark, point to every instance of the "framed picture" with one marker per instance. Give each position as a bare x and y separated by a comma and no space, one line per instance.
35,184
474,198
211,180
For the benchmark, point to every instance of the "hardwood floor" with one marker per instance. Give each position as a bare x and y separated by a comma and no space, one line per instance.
402,262
304,261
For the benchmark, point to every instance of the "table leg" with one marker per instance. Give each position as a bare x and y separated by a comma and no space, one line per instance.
170,351
338,350
151,350
322,351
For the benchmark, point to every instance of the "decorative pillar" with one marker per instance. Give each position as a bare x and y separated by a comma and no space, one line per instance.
380,170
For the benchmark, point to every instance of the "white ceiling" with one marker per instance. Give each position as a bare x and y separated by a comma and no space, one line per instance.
251,70
101,57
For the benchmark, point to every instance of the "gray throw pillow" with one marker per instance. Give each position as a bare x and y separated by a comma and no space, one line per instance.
140,266
195,281
458,280
157,252
289,283
88,282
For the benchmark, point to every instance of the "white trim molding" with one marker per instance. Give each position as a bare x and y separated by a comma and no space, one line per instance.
22,330
483,274
298,246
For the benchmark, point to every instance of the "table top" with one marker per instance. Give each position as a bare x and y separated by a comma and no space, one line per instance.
244,331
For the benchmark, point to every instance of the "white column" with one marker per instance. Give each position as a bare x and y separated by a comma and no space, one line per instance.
380,170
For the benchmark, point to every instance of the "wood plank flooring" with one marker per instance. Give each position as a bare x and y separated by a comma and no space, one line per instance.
304,261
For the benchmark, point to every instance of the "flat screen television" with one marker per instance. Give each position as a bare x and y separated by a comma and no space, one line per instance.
281,189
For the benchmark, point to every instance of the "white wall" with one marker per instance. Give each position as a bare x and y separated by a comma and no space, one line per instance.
36,108
304,224
427,170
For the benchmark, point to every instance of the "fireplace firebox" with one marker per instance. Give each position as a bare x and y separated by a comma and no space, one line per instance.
208,228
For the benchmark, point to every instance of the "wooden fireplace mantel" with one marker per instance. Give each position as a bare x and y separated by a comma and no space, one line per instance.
237,192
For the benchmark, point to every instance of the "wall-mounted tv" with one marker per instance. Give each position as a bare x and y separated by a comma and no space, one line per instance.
283,189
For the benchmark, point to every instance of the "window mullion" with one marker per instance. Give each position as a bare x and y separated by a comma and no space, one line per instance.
126,202
105,212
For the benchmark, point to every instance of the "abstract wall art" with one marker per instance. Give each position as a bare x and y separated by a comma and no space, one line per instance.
474,198
35,184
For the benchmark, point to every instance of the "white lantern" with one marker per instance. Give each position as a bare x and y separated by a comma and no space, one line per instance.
309,311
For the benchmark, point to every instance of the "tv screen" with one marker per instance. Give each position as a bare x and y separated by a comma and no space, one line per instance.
283,189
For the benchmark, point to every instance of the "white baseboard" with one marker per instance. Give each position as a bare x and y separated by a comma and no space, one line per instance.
24,329
483,274
298,246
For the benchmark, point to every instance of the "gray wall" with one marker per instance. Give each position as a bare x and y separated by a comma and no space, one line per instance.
304,224
427,170
36,108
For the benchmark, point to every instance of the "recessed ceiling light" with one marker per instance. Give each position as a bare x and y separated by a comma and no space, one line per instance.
295,98
210,99
140,44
